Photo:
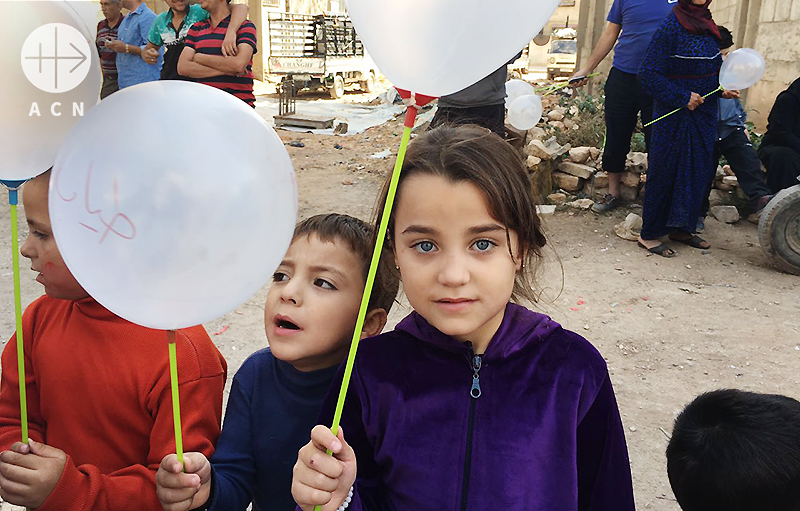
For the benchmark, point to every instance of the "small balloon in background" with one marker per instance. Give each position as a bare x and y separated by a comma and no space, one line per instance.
741,69
189,223
525,112
516,88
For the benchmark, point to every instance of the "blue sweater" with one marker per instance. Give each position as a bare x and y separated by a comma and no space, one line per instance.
271,410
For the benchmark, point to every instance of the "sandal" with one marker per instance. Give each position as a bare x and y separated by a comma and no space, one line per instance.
693,241
663,249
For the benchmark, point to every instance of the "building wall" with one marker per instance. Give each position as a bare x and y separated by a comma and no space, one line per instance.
773,28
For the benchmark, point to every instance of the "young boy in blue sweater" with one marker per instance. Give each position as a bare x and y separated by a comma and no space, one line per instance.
309,318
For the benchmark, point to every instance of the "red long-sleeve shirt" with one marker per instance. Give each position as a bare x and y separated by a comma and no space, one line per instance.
98,388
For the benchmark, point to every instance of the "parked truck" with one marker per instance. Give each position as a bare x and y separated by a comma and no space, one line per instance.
563,53
319,52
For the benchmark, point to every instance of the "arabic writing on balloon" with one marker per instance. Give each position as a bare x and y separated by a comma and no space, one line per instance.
120,224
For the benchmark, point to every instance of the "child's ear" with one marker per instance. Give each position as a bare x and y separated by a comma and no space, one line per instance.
374,323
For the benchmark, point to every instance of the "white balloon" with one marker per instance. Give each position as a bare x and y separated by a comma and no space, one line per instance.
741,69
438,47
525,112
43,97
516,88
183,222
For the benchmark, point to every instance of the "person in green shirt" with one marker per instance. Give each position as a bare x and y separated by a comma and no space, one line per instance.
170,28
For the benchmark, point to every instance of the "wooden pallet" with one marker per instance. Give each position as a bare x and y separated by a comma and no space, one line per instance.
304,121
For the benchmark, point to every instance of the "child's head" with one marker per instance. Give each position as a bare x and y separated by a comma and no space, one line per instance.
313,304
464,229
40,245
733,450
726,41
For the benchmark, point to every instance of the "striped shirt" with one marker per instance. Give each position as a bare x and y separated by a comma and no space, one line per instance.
108,58
205,39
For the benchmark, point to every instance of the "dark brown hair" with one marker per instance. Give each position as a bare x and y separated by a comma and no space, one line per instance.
478,156
358,236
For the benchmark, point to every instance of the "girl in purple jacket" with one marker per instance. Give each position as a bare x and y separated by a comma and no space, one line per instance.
472,402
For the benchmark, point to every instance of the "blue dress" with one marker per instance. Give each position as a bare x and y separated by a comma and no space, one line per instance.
680,162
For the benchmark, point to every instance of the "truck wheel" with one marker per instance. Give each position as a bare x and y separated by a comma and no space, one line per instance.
337,91
779,230
368,85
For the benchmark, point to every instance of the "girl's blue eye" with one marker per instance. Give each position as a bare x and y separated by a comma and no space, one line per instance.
424,247
279,277
483,245
324,284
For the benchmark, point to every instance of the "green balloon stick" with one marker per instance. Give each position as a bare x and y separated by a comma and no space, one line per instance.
23,400
681,108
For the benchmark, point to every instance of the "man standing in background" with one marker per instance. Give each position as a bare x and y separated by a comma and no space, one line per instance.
130,43
106,32
631,25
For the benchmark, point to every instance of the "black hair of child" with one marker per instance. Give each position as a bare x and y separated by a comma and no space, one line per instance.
726,38
733,450
358,235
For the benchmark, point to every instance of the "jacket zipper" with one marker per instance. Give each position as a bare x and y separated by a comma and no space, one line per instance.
474,392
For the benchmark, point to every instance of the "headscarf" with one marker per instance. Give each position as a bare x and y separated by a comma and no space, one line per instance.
696,18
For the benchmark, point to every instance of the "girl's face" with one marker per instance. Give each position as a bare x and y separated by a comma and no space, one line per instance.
453,256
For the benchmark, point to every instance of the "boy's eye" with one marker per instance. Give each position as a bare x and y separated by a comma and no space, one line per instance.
483,245
324,284
39,234
279,277
424,247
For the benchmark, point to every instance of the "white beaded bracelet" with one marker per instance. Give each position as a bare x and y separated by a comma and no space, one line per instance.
347,500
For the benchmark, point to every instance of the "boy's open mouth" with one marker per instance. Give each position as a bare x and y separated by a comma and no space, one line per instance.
284,322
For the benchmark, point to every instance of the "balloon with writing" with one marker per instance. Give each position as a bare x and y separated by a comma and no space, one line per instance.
183,222
50,79
437,47
525,112
741,69
516,88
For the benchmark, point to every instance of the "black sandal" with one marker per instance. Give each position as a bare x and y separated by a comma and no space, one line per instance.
662,249
693,241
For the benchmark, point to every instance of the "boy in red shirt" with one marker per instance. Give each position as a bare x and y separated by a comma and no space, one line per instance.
98,393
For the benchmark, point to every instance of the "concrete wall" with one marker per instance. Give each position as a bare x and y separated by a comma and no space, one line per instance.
773,28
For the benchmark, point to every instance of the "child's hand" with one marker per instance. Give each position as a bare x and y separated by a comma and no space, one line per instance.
178,490
29,472
320,479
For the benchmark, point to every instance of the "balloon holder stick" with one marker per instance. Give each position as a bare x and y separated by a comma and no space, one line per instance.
414,103
176,404
718,89
13,200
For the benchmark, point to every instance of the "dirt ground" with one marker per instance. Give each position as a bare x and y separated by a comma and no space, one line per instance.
669,328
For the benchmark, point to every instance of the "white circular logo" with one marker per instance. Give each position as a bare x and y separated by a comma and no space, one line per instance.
56,57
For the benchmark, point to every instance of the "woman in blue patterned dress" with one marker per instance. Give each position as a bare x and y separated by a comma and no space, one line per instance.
681,65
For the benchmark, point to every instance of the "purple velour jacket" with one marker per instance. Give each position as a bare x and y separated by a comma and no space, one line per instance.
532,425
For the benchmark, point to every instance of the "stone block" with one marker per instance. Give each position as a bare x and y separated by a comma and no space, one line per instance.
579,154
577,169
558,124
532,162
720,198
595,153
536,133
636,162
727,214
600,179
630,179
545,210
537,148
581,204
567,182
557,198
730,180
555,115
628,193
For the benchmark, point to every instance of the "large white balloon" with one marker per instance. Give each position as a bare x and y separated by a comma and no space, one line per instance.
437,47
185,219
742,69
50,79
517,88
525,112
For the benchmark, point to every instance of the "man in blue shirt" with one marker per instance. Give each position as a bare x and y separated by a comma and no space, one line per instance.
130,44
631,25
